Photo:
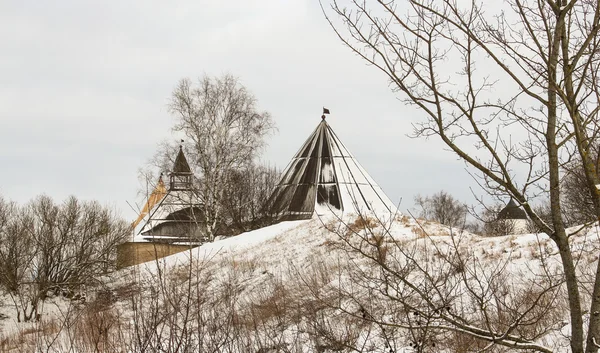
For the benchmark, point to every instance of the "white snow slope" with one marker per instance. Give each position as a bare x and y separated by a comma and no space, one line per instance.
326,285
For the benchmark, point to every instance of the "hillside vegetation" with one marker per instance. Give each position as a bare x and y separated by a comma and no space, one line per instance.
324,285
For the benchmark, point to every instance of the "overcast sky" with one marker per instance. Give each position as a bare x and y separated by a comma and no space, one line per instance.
84,87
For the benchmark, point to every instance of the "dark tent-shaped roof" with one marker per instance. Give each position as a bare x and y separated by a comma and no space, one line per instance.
512,211
181,164
324,173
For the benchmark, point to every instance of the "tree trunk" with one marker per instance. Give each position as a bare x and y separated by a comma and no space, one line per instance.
593,338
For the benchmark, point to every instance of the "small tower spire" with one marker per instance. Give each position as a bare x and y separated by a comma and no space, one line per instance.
181,176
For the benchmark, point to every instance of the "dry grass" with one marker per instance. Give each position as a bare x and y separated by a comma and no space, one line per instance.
268,305
418,231
332,244
28,339
361,223
245,265
404,220
99,329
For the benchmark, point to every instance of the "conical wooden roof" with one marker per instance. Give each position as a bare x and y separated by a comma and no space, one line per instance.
512,211
324,175
181,165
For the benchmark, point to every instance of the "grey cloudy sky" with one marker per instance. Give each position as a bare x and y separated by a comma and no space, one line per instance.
84,87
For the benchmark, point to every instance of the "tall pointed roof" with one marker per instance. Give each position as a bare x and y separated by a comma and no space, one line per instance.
512,211
323,175
158,194
181,164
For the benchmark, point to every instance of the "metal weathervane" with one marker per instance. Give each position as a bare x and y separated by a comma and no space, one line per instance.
325,111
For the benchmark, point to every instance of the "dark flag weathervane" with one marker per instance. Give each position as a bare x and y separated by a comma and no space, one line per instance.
325,111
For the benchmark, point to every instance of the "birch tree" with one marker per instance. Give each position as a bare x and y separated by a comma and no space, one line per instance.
226,130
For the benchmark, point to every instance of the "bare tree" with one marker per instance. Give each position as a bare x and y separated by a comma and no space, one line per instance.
440,294
494,226
521,103
17,255
443,208
244,201
578,201
48,249
226,131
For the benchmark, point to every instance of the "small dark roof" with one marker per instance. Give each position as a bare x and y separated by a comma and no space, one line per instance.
181,164
512,211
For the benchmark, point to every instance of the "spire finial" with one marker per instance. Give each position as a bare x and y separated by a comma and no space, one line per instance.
325,111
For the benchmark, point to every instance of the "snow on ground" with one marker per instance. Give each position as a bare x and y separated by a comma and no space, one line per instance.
257,264
229,246
271,252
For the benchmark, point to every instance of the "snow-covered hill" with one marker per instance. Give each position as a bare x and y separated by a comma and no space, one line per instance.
326,284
